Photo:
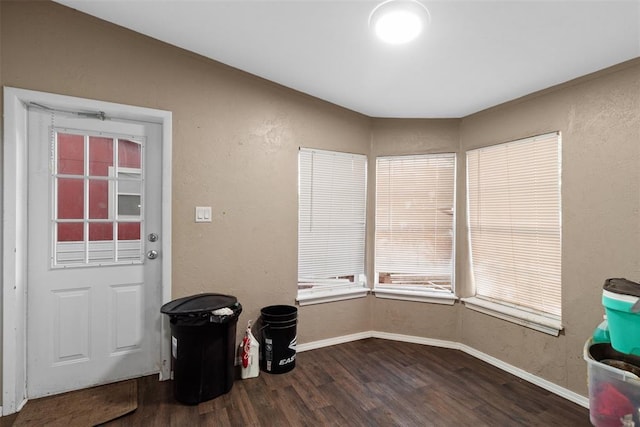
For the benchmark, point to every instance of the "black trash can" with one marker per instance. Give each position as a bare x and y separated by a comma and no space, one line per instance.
279,338
203,340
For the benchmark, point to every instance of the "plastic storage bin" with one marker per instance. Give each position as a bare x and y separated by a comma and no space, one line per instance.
620,298
614,393
203,343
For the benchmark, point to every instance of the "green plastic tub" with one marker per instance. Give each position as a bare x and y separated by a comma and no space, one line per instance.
620,298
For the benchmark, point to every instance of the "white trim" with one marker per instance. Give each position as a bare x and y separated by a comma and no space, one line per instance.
527,376
425,295
417,340
512,314
167,198
14,249
14,229
520,373
334,341
309,297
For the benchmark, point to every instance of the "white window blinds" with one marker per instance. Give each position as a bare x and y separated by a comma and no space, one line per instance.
415,220
513,194
331,222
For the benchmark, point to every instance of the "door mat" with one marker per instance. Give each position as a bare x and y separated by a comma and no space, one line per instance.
87,407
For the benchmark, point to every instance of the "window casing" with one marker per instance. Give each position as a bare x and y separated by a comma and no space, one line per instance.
415,223
514,220
331,225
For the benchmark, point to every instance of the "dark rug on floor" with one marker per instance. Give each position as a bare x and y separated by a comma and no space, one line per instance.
87,407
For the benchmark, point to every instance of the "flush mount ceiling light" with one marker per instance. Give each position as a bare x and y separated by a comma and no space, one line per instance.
398,21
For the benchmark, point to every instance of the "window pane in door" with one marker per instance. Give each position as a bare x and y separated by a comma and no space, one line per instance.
70,198
70,152
98,199
129,154
128,231
128,205
100,155
70,232
100,231
129,183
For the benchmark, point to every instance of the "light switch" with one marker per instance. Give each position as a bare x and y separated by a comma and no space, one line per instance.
203,213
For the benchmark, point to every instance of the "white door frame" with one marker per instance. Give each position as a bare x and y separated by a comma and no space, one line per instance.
14,228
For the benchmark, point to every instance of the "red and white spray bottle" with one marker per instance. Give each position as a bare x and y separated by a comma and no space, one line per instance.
249,363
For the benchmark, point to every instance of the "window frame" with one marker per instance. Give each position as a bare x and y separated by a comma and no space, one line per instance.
339,287
544,322
418,292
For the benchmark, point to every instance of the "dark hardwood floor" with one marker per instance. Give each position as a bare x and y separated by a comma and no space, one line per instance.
370,382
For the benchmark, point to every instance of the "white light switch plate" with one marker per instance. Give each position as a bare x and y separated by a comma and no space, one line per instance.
203,213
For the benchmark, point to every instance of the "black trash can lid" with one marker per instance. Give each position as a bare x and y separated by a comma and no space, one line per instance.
198,304
622,286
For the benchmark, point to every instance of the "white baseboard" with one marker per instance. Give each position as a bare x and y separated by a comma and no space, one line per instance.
520,373
527,376
21,404
416,340
333,341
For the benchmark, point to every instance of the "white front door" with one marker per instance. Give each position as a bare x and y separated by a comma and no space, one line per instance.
94,262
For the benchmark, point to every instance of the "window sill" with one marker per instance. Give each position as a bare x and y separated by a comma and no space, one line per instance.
427,295
538,322
330,295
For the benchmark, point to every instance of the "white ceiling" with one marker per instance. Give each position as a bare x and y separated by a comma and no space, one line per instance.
475,54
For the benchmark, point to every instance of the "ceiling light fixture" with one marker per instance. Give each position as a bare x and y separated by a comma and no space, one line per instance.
398,21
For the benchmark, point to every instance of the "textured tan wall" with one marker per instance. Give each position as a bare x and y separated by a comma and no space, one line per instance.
400,137
599,118
235,145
